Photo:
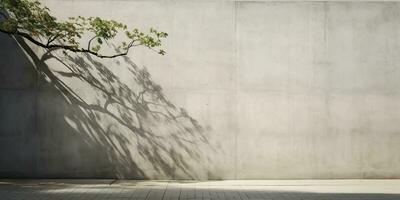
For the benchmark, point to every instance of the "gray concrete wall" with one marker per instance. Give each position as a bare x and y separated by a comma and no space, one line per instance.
269,90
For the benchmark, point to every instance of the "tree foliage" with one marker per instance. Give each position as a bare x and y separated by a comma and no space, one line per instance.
33,21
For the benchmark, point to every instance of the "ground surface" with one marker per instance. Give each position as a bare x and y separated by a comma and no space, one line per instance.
273,190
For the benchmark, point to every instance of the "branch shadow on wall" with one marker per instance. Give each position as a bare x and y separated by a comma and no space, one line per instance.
92,124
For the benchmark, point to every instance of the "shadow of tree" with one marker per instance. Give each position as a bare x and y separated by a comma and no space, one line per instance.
93,124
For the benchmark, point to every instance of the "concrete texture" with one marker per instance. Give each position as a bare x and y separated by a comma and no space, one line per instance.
170,190
270,90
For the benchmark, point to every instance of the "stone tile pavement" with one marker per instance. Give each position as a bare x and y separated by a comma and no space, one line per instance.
165,190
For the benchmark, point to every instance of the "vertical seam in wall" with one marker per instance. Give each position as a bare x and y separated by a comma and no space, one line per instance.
36,133
236,89
325,22
170,7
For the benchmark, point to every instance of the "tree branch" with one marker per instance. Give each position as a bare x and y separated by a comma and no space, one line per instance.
51,39
44,30
90,41
67,47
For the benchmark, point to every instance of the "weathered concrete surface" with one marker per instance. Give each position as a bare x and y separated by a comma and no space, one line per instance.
280,90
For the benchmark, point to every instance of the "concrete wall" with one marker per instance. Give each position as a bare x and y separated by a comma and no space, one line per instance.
270,90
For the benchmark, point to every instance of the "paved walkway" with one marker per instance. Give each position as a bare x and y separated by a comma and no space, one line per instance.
163,190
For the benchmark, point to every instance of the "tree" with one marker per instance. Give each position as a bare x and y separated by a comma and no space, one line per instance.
33,21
